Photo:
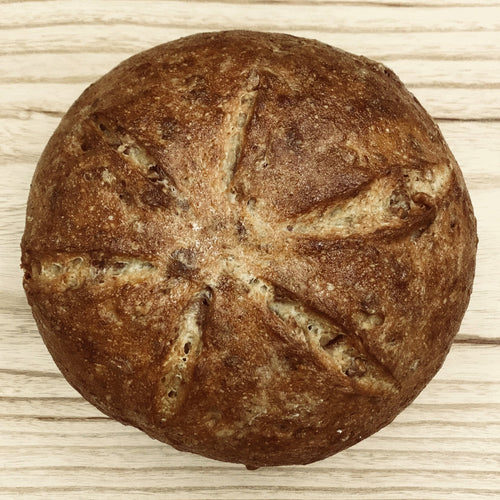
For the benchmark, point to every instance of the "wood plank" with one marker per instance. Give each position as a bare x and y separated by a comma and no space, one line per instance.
459,372
203,479
40,391
269,16
157,456
466,104
19,100
368,493
113,38
377,3
457,378
476,148
66,68
485,300
474,144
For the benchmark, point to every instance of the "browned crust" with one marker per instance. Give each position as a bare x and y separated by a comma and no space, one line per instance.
252,246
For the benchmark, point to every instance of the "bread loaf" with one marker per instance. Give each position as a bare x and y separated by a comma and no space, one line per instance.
251,246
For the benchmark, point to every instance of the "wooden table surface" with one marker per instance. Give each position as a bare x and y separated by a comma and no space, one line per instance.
446,445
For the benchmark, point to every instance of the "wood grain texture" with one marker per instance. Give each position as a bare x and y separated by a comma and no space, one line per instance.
445,445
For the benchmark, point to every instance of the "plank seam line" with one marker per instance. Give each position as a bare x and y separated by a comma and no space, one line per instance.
262,27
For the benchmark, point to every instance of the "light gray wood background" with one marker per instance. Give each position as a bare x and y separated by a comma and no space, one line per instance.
444,446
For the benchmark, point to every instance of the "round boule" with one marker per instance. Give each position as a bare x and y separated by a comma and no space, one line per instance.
251,246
